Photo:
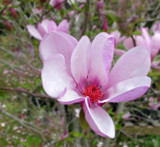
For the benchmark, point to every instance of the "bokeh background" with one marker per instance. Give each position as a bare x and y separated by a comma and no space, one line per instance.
30,118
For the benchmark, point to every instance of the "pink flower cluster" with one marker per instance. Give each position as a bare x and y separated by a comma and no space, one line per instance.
47,26
145,40
151,42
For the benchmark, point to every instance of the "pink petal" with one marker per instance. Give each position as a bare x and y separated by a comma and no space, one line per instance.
45,23
99,120
102,50
135,62
119,52
127,116
80,60
57,43
155,64
127,90
122,39
63,26
146,36
117,36
128,43
55,77
52,26
155,46
70,97
41,30
33,31
140,41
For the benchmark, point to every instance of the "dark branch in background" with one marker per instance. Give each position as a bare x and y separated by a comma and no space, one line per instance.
27,92
6,6
134,42
86,17
45,13
25,124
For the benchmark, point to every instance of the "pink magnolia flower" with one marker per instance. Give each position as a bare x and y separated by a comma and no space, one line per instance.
47,26
79,72
56,3
152,43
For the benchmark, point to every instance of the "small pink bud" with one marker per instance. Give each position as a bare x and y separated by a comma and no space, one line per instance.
56,3
8,25
13,12
99,5
105,25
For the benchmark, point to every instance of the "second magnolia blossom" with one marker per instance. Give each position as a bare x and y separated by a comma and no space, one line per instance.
47,26
79,72
151,42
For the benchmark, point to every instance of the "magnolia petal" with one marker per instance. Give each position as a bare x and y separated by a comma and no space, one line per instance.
127,90
52,26
119,52
41,30
140,41
34,32
155,46
102,50
128,43
146,36
135,62
55,77
80,60
70,97
44,24
99,120
116,35
57,43
63,26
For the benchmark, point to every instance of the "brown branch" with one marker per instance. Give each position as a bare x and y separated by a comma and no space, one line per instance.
6,7
25,124
27,92
45,13
134,42
86,18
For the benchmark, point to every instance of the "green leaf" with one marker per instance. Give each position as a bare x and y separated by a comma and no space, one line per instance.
137,33
83,121
112,16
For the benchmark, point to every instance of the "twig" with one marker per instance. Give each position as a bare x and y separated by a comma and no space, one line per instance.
86,18
27,92
11,66
134,42
25,124
50,10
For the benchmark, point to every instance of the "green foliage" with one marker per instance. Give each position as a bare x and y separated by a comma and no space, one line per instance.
83,121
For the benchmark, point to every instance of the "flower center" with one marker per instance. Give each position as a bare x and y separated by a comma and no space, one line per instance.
93,92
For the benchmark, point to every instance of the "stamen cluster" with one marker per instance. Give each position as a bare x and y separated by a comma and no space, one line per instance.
93,92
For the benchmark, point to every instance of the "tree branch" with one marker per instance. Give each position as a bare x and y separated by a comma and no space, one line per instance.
27,92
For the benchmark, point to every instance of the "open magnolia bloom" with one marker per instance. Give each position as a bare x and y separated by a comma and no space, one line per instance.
47,26
151,42
79,72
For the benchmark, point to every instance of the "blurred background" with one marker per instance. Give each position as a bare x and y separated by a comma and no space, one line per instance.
30,118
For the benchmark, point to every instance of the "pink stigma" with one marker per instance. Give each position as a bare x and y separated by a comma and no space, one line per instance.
93,92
